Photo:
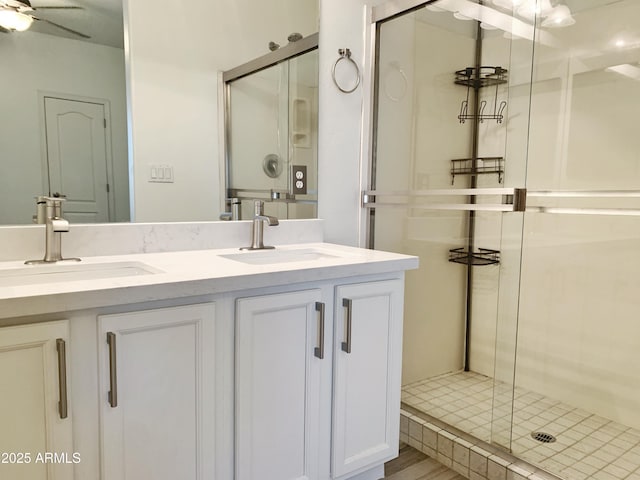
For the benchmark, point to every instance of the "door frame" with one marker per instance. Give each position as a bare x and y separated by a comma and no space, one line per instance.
44,94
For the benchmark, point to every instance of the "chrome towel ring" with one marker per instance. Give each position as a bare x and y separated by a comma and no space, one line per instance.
345,54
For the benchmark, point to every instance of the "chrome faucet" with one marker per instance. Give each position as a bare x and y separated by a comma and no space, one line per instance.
257,231
50,211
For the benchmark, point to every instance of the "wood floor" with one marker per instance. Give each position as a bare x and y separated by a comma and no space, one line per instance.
414,465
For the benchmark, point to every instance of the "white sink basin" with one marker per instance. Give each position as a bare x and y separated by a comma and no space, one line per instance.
54,273
269,257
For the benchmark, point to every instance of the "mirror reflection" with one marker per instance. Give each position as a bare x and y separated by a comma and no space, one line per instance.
63,88
64,111
278,108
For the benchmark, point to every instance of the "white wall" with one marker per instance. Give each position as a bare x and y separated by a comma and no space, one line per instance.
341,135
175,56
35,63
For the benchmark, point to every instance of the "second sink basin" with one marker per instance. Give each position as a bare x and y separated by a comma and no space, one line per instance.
54,273
269,257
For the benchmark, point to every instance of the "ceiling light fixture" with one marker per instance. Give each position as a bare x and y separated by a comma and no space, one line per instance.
11,19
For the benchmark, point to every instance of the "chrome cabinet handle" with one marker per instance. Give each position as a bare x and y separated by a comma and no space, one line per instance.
319,350
113,370
348,304
61,348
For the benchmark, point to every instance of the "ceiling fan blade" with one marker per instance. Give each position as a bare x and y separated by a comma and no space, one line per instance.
75,32
52,7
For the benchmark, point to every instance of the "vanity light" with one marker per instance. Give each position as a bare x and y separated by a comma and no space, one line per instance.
560,16
13,20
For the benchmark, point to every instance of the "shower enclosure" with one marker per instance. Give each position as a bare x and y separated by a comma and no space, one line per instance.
505,155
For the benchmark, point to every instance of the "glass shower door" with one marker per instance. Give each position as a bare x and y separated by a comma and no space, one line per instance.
577,404
449,153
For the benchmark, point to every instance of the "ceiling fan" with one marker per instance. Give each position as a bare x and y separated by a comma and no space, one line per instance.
18,15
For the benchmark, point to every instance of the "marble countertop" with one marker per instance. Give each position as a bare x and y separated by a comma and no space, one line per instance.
185,274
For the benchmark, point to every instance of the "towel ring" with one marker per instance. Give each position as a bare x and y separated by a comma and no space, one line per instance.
345,54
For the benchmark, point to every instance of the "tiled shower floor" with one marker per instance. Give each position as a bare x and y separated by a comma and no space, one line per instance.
588,446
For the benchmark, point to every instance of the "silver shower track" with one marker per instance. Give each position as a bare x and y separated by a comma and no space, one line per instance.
287,52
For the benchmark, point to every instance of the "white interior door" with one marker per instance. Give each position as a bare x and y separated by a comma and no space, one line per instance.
77,154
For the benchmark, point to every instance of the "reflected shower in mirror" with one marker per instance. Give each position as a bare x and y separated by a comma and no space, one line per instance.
276,107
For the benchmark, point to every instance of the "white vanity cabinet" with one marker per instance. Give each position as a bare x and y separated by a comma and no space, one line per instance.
367,375
280,369
35,416
211,370
157,373
318,381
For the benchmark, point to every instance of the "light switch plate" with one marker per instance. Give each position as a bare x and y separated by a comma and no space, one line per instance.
160,173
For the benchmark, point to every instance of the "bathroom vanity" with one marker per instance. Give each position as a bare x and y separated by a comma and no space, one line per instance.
207,364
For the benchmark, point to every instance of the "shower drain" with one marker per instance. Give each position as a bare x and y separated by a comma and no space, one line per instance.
543,437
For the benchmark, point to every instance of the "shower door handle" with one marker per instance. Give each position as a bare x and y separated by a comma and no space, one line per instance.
511,199
348,304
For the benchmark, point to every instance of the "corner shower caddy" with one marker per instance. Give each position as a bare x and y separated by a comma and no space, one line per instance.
475,78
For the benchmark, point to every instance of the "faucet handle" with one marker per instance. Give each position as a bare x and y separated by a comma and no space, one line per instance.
258,208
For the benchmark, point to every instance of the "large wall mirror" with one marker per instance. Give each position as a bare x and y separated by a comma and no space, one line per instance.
142,102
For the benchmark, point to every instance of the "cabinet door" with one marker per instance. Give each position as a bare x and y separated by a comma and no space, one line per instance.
279,393
34,416
157,394
367,369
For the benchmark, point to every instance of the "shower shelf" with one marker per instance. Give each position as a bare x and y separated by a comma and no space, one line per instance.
487,77
483,165
477,78
484,256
